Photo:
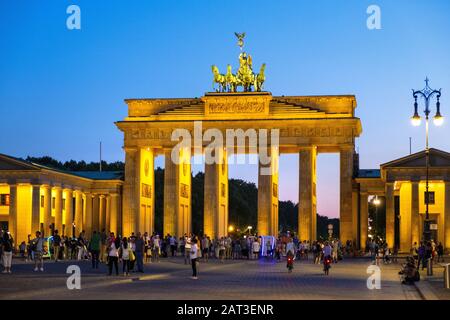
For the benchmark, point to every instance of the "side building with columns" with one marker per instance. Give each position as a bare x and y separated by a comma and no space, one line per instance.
401,184
34,197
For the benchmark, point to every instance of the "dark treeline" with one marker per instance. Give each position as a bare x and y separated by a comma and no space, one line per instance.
73,165
243,207
243,198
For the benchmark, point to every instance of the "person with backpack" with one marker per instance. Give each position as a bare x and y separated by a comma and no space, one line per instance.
37,246
7,247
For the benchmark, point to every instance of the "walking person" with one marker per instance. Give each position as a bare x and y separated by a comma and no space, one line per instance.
7,246
113,256
193,256
94,247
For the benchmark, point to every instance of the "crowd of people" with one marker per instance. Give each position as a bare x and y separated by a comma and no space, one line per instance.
132,252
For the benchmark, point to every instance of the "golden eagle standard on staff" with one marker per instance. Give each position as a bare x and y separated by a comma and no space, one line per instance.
245,77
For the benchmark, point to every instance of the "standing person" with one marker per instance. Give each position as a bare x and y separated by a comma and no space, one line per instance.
56,245
187,248
205,246
37,246
173,244
113,256
440,252
193,257
22,248
421,256
181,244
132,244
335,252
147,247
103,239
139,251
255,248
222,244
125,256
415,250
156,247
290,247
80,246
7,246
94,247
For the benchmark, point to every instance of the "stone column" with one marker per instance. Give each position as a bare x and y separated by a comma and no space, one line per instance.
88,219
47,209
145,190
447,216
95,214
131,190
78,212
268,194
36,209
68,218
107,213
390,214
346,186
363,219
58,209
101,213
415,215
114,213
12,217
307,208
215,221
177,194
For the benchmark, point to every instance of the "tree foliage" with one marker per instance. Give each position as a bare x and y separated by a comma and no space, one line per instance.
73,165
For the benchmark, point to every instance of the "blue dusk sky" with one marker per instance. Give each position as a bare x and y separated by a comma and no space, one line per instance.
62,90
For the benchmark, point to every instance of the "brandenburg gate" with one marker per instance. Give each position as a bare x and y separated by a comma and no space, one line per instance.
307,126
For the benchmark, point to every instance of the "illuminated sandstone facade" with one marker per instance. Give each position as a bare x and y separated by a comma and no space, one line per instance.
308,125
34,197
401,184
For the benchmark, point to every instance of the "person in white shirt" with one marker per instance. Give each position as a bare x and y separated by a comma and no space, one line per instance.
173,245
187,248
113,256
194,256
255,248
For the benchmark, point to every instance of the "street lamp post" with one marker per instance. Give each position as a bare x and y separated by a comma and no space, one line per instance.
427,94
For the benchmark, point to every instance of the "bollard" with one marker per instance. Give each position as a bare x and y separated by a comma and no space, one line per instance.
429,267
446,276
